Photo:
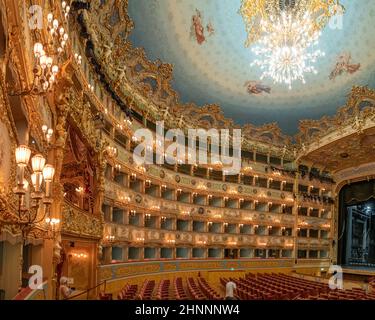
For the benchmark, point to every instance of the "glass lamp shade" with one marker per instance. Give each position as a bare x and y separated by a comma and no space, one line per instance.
25,184
36,180
38,162
38,49
43,61
48,172
23,155
49,62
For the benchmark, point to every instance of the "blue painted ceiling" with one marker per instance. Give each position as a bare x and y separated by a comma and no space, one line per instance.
215,71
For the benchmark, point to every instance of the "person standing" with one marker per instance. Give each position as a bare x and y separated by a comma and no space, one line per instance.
230,287
65,291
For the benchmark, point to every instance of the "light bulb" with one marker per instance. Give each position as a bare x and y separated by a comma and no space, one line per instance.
38,49
43,61
55,24
49,61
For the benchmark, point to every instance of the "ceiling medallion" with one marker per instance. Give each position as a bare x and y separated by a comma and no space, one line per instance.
287,32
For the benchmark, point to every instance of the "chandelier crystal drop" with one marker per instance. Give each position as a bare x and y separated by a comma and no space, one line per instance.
286,50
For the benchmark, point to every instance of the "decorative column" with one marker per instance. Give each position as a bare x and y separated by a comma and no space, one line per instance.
61,100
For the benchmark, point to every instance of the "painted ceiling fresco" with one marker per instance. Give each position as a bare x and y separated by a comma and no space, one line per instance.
205,42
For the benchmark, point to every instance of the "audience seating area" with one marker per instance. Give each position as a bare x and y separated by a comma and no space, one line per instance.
260,286
286,287
354,294
179,291
163,290
128,292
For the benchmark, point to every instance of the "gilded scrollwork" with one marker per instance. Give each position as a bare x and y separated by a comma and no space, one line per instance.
109,26
359,108
80,223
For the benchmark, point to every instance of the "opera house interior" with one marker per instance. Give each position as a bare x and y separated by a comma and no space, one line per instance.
187,150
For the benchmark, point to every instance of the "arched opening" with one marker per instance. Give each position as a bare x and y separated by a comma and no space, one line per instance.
356,233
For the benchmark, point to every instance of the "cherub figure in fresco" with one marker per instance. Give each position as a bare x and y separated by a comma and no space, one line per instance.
210,29
256,87
197,29
344,65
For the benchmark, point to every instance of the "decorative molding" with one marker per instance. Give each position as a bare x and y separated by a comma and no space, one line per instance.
79,223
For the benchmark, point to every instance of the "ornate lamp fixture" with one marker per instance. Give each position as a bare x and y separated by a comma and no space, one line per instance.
286,52
287,31
52,227
30,209
253,12
47,57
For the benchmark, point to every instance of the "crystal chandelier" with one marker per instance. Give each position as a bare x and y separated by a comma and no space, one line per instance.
286,50
287,32
253,12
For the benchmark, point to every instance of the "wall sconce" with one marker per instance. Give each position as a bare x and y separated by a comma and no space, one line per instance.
52,227
111,151
47,57
27,218
78,58
110,238
80,255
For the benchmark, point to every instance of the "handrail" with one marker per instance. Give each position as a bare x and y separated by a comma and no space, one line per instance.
88,290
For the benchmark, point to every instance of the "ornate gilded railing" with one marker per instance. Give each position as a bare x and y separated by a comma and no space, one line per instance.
140,236
78,222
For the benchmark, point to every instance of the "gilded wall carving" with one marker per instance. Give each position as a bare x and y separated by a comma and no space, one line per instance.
80,223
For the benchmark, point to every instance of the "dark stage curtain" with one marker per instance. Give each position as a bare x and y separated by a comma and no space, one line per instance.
359,192
351,195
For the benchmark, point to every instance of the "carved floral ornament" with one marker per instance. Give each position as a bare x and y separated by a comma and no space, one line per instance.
148,83
80,223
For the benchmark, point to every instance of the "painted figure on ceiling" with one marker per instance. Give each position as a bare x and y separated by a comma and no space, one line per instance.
210,29
197,27
256,87
344,65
